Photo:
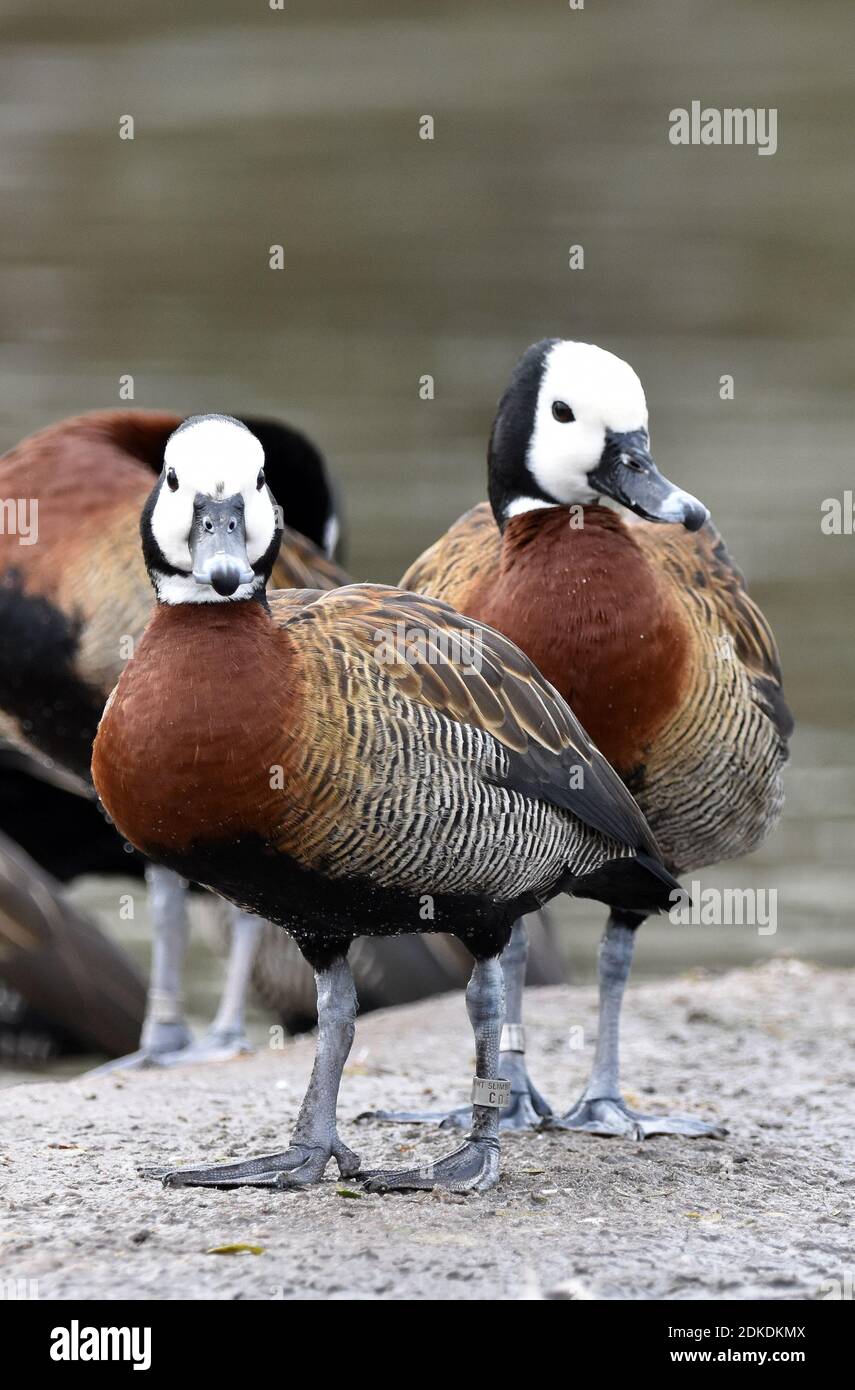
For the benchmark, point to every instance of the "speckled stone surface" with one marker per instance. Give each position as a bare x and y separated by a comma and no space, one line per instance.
766,1213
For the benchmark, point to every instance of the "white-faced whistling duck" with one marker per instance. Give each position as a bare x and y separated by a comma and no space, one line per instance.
649,634
337,761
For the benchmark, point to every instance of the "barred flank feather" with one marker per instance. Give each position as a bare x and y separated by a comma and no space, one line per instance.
399,772
650,635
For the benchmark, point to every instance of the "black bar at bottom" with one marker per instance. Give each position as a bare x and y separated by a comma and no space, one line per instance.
245,1337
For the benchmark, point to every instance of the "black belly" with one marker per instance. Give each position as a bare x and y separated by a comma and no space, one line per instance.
323,914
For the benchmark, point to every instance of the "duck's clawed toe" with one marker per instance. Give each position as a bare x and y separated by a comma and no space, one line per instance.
215,1046
526,1110
612,1117
166,1044
132,1061
439,1119
348,1162
297,1166
474,1167
294,1167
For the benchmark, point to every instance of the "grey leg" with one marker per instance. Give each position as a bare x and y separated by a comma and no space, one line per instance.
226,1037
164,1030
315,1138
526,1106
474,1167
601,1109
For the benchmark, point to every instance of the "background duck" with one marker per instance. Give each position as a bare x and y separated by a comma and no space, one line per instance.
277,749
75,598
646,630
65,987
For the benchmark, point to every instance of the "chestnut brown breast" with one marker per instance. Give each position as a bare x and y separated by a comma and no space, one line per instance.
192,737
589,609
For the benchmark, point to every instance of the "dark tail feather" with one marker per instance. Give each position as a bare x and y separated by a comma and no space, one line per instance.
641,884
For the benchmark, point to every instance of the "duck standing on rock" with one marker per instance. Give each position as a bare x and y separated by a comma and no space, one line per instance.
288,751
650,636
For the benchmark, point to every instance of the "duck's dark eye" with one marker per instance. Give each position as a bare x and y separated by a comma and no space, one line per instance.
562,412
172,480
259,482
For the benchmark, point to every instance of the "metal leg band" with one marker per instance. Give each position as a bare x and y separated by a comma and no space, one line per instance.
164,1007
513,1038
494,1093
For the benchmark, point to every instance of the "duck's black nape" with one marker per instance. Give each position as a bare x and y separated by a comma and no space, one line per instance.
508,476
297,476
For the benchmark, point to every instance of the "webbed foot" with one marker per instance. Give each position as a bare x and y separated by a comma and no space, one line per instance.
159,1042
298,1166
611,1116
474,1167
214,1046
525,1110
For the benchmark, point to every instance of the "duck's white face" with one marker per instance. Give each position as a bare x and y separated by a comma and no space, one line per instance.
572,428
585,394
213,518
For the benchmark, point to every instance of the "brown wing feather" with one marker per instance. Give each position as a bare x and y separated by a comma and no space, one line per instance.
285,603
432,653
301,565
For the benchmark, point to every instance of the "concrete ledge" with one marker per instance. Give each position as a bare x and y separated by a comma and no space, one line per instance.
764,1214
